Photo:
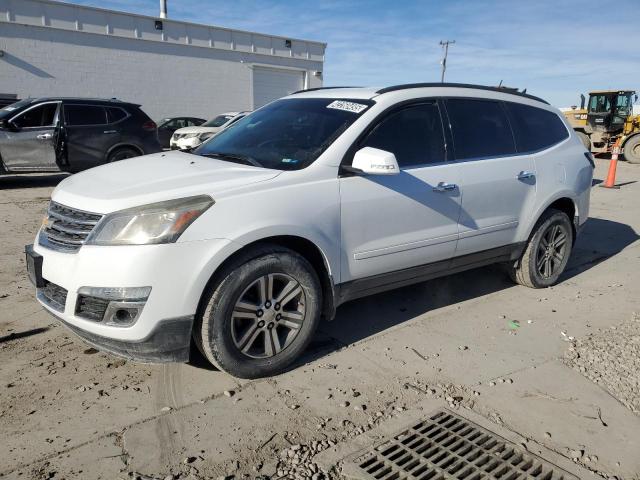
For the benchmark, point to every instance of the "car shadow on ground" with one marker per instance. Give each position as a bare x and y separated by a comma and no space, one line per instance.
598,241
357,320
10,182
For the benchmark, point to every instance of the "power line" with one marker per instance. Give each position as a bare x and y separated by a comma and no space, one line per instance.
445,46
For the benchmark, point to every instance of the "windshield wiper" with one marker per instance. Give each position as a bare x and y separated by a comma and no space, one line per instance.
233,157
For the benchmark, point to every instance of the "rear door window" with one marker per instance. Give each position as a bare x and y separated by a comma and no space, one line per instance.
414,135
41,116
535,129
79,115
480,128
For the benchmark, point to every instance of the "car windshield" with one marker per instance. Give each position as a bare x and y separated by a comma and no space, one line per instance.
218,121
288,134
10,110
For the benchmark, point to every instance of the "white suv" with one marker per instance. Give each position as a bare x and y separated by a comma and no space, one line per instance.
311,201
188,138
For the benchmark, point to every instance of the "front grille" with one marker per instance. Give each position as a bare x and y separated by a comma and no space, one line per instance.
66,229
53,295
448,446
91,308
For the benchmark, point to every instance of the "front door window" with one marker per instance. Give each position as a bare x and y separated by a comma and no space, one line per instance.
41,116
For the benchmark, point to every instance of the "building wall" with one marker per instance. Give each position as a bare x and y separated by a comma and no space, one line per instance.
185,69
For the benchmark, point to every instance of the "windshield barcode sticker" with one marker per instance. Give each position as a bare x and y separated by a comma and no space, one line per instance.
347,106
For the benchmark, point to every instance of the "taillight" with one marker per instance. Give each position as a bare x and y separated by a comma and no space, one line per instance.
150,125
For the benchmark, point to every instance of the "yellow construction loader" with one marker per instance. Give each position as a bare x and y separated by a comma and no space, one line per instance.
607,118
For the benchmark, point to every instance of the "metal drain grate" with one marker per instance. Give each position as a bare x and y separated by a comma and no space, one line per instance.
447,446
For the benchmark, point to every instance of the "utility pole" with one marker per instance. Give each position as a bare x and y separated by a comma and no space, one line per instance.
445,46
163,8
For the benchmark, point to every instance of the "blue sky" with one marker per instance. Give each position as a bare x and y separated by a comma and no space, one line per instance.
555,48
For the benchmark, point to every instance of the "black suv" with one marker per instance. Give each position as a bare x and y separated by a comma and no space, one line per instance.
72,134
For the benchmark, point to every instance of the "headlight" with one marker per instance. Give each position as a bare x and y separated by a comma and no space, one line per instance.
161,222
190,135
206,136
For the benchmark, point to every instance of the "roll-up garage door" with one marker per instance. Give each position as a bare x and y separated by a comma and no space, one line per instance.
271,83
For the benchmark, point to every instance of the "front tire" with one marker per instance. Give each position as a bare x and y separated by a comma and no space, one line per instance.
547,252
260,314
632,149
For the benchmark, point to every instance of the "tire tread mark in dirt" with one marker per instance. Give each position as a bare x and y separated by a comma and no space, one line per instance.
169,429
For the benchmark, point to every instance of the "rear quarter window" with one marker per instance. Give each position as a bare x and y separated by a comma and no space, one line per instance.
535,129
480,128
115,114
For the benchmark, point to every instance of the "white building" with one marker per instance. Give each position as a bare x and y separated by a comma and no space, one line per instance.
171,68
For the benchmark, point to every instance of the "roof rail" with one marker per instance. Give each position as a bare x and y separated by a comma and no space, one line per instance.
460,85
320,88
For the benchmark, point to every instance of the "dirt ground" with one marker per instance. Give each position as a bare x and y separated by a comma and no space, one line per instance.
555,370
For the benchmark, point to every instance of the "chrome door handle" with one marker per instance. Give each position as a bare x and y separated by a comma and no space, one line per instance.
44,136
110,131
523,175
444,187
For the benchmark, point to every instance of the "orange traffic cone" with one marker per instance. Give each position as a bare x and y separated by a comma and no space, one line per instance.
611,175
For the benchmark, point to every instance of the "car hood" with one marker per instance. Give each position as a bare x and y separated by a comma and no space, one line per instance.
185,130
154,178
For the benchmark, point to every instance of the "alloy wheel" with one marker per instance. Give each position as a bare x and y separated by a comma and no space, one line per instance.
552,250
268,315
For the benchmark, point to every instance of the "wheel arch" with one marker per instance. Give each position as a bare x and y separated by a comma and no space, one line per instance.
117,146
299,244
563,202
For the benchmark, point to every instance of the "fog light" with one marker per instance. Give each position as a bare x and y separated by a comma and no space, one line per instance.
122,314
117,306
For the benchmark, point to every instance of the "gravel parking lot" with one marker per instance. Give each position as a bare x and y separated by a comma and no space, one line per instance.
556,371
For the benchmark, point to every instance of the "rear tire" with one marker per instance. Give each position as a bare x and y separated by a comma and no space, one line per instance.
122,153
547,252
243,329
586,141
632,149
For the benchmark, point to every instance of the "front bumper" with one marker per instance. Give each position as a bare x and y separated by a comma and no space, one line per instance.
169,341
177,274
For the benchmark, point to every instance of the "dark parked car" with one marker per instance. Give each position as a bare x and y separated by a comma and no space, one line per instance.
72,134
167,126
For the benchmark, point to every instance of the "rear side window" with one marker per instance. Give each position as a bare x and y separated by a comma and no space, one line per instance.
116,114
534,128
480,128
78,115
414,135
